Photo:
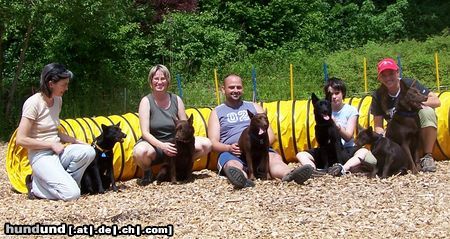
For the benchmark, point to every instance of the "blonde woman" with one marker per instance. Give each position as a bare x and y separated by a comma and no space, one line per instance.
156,113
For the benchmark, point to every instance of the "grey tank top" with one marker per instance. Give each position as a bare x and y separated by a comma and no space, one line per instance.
233,121
161,120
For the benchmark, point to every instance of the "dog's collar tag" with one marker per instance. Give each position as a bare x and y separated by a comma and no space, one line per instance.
103,155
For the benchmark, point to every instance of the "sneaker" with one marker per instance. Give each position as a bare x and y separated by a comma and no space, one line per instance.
299,175
319,173
336,170
427,163
237,178
146,178
29,183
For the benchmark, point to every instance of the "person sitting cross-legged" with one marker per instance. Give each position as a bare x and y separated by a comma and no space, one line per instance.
226,123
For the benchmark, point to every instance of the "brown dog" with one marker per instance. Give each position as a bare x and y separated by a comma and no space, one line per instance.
391,158
404,128
179,168
254,146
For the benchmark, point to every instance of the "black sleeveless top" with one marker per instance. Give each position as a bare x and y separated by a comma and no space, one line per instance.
376,108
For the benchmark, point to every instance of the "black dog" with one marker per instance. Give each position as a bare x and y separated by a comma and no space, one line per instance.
179,168
404,128
391,158
99,175
330,150
254,146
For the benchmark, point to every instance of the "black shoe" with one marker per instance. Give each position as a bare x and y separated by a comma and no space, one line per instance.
319,173
336,170
237,178
146,178
299,175
29,183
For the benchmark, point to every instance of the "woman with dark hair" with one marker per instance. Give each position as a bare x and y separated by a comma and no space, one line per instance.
57,168
346,118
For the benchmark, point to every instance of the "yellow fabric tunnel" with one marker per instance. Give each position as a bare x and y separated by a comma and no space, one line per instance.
292,122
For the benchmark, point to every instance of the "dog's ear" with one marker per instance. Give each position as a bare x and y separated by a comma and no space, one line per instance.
104,127
118,124
413,83
191,119
314,98
403,86
370,130
360,128
250,114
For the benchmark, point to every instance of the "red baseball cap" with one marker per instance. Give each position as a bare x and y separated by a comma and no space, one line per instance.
387,64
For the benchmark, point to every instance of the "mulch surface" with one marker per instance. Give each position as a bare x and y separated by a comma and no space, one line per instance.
352,206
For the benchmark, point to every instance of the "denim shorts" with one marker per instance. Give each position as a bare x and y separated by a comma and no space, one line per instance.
224,157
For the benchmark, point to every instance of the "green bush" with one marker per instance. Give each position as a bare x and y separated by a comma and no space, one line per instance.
272,70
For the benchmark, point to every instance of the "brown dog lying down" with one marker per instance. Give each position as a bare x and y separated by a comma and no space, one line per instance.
391,158
254,146
179,168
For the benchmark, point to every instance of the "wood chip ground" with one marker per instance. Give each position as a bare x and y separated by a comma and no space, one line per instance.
353,206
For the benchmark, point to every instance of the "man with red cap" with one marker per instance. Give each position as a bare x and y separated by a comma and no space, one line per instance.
389,77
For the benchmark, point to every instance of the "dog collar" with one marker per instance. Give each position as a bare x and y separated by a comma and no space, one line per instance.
326,123
259,140
406,113
95,145
377,141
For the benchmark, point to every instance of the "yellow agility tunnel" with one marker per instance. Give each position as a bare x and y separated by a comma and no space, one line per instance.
292,122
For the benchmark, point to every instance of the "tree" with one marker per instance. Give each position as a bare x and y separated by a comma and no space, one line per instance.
190,41
28,20
99,41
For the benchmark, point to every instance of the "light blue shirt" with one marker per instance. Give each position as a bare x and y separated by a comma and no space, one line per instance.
341,118
233,121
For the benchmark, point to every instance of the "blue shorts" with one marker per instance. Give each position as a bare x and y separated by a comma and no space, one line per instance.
224,157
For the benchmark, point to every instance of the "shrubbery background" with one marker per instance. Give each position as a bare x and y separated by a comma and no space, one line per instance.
110,47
